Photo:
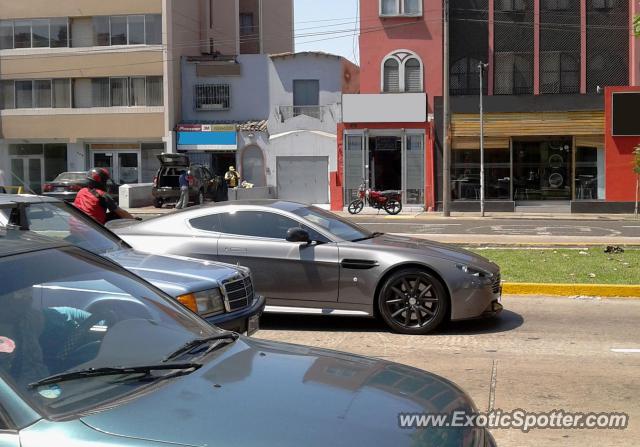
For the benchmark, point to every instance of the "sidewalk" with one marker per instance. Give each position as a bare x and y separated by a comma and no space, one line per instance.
423,215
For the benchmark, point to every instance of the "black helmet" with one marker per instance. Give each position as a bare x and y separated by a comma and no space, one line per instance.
99,175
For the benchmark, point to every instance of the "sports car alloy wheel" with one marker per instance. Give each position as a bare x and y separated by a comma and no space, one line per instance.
412,302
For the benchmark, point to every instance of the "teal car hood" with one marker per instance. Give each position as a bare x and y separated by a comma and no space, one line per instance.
257,393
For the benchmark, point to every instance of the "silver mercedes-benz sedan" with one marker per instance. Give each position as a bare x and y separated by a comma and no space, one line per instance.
307,260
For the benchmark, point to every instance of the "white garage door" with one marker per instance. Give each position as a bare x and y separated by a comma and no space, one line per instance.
303,179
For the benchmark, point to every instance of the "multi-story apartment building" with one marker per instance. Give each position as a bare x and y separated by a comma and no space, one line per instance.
548,137
92,83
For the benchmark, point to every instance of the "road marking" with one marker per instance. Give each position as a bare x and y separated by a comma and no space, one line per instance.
626,351
631,226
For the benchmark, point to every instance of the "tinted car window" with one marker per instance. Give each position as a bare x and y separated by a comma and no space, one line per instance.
332,223
206,223
65,309
257,224
60,221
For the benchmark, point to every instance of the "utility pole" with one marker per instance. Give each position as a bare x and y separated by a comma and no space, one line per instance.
446,112
481,67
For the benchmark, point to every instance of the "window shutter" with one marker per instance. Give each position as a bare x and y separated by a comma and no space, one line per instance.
412,76
391,76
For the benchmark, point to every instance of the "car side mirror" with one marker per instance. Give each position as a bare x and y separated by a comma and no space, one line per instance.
298,235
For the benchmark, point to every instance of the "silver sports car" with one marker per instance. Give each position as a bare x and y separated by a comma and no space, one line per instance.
307,260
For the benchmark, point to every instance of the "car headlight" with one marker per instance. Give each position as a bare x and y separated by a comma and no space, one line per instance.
473,271
205,302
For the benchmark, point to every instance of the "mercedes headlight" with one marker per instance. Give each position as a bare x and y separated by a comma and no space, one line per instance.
205,302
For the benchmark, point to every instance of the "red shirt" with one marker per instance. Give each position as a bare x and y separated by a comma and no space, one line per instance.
95,203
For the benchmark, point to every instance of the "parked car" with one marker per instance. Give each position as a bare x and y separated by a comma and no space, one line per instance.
93,355
307,260
166,187
66,186
223,294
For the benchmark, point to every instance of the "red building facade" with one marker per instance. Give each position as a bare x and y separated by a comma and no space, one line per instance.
387,134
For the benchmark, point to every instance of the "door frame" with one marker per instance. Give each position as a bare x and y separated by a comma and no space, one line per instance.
24,178
115,167
365,135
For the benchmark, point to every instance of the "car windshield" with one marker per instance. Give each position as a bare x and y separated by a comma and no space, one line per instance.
67,310
62,221
71,177
332,223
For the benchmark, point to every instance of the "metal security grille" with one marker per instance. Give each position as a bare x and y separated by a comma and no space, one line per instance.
469,45
212,96
607,43
560,46
513,72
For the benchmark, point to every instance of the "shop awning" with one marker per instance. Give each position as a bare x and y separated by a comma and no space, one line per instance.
203,137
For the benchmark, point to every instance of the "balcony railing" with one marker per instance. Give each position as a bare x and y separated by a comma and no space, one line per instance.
288,112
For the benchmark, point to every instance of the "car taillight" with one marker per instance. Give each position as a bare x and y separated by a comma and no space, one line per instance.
155,181
74,187
47,187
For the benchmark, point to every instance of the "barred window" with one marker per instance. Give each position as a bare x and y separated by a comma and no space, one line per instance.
510,5
559,72
513,74
212,97
556,5
465,77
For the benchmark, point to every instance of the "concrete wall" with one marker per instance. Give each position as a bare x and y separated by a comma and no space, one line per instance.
223,29
277,26
328,69
300,143
249,91
81,126
422,35
10,9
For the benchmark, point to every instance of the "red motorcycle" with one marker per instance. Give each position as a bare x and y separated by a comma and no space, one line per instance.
390,201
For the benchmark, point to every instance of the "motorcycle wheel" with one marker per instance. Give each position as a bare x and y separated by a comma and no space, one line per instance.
393,207
355,207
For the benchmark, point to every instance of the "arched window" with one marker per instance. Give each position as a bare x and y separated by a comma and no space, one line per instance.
412,75
402,71
391,76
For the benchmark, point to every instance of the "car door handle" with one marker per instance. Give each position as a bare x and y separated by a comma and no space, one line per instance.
237,250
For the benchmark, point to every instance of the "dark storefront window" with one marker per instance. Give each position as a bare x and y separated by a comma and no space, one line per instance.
542,169
589,179
55,160
465,174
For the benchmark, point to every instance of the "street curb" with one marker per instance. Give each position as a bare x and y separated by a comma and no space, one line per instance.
600,290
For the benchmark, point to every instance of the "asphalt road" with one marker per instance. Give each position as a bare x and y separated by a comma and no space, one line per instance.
543,354
515,227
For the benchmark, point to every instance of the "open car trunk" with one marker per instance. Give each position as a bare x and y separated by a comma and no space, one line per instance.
170,177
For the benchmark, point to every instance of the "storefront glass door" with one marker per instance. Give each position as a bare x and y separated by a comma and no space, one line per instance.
123,166
542,170
28,172
389,161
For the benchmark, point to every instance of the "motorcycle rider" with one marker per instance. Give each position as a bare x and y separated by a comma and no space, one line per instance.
94,200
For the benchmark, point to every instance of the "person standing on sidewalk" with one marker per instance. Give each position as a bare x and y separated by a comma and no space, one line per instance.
184,190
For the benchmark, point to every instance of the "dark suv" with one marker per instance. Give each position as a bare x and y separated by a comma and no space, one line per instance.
166,186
